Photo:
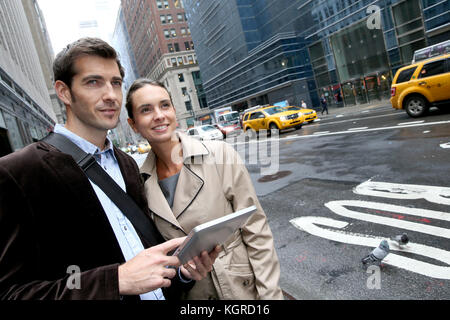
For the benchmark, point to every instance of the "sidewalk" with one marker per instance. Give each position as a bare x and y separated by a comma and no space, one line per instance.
352,109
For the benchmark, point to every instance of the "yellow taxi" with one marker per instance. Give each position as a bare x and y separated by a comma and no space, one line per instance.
310,114
421,85
143,148
272,117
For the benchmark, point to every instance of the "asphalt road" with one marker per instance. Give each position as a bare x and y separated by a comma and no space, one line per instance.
337,187
401,166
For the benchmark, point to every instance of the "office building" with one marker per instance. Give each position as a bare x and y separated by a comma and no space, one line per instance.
45,53
121,42
163,49
26,112
254,52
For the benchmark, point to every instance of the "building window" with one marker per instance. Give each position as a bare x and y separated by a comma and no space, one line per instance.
163,19
166,4
184,91
180,17
170,47
188,105
173,32
159,4
177,47
177,3
180,62
174,62
191,60
166,34
169,18
187,46
183,31
180,76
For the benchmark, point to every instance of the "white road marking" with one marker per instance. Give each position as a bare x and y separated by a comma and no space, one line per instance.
412,122
439,195
427,131
338,207
339,116
360,128
321,132
309,224
366,130
445,145
375,129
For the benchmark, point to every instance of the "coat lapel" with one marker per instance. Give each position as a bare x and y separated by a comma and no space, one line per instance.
82,194
156,201
188,186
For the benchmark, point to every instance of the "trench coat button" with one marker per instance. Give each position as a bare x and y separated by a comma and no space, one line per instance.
245,283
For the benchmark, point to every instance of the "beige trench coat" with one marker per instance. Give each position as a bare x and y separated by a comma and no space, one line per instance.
212,183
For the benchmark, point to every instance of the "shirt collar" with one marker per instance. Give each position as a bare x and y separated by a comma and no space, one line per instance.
83,144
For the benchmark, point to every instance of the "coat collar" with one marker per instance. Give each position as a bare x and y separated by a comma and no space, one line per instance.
191,148
188,186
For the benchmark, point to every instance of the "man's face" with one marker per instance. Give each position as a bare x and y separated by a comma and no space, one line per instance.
95,97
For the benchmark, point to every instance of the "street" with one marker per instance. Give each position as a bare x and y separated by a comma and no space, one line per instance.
344,183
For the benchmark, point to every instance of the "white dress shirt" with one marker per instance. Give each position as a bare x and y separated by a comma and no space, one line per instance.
126,235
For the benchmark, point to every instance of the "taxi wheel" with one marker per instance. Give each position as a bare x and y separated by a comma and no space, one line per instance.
416,106
272,126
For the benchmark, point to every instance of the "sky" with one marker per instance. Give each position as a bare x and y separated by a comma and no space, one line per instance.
63,18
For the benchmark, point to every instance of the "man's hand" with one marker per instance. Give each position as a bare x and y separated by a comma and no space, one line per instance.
198,268
150,269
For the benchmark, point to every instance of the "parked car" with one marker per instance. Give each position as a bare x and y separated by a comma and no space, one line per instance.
126,149
310,114
133,148
143,148
272,117
228,129
421,85
206,132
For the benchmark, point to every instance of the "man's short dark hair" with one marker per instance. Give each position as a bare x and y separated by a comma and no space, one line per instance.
137,84
63,66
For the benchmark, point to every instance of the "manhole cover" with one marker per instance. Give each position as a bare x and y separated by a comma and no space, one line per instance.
276,176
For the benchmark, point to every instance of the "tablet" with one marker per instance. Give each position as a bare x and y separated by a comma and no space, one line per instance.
212,233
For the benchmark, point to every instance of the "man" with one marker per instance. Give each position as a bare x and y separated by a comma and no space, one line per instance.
54,221
323,101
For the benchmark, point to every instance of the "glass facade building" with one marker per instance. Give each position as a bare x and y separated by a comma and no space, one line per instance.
254,52
26,112
123,134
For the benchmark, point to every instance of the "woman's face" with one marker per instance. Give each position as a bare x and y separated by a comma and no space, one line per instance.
154,115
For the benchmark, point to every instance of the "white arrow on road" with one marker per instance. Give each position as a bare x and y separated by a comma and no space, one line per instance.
440,195
433,194
309,224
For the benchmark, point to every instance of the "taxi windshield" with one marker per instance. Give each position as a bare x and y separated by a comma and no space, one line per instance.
274,110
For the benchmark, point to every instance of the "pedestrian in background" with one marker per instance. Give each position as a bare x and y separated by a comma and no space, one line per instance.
323,102
304,106
190,182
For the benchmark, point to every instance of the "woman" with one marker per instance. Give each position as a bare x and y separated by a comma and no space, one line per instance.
189,182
